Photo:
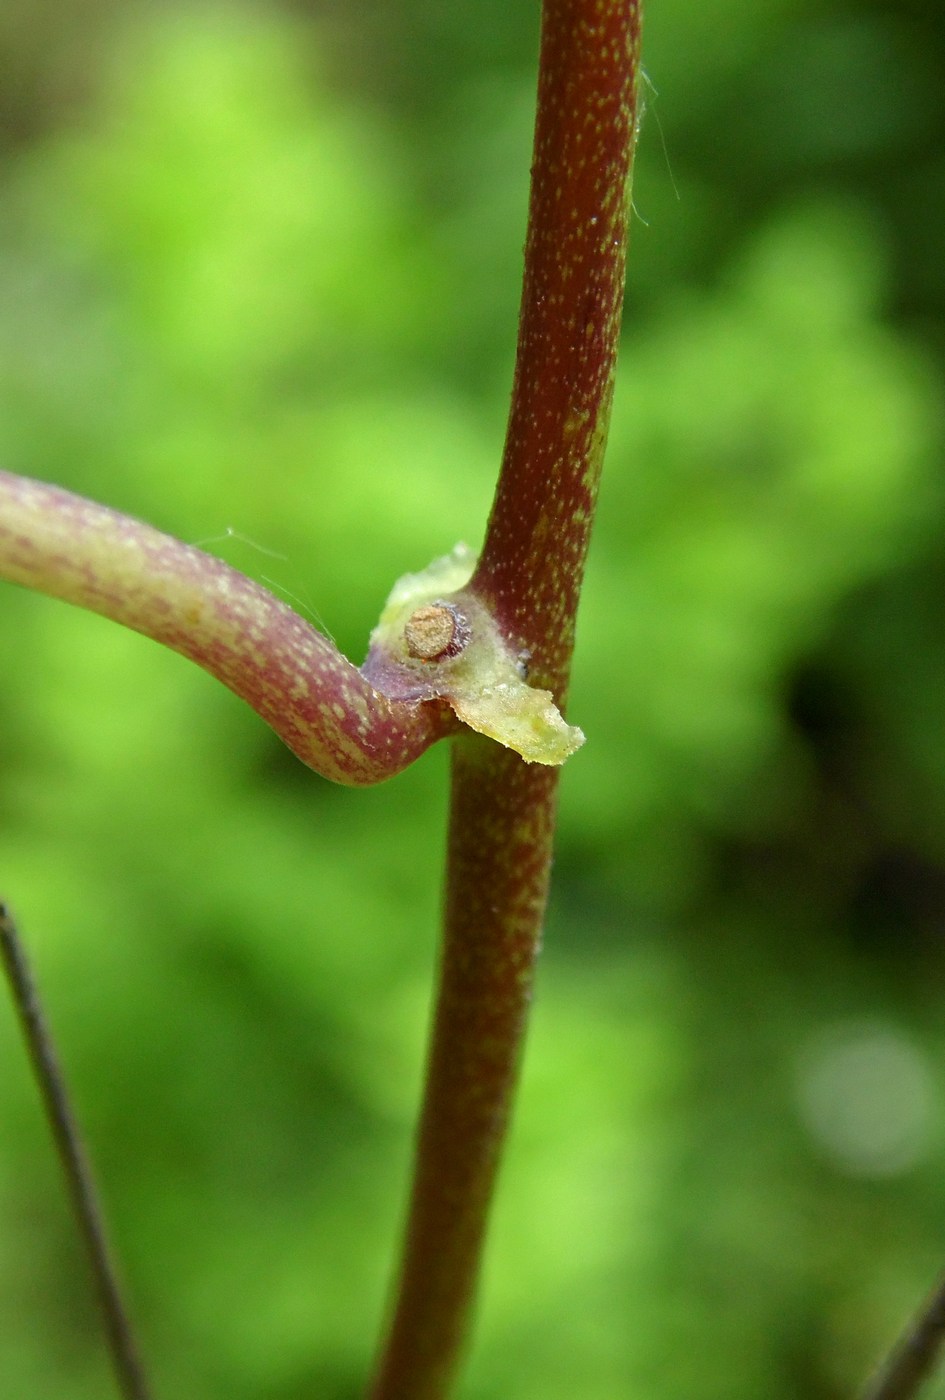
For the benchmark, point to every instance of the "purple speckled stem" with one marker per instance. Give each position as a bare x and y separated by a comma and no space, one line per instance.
312,696
532,565
502,810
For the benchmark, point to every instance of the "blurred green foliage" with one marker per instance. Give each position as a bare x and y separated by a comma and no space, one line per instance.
258,280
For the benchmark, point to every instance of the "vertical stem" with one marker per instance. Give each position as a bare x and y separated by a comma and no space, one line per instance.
501,825
118,1329
502,811
532,564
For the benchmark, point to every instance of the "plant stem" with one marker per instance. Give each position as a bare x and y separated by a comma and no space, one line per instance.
915,1355
119,1333
501,825
318,703
532,564
502,810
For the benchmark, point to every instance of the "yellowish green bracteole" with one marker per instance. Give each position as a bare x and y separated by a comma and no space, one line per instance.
437,640
352,726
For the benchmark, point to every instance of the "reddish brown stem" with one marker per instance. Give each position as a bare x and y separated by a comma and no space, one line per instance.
915,1356
501,825
502,812
532,564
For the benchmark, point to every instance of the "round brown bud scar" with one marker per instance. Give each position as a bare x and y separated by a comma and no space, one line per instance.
430,631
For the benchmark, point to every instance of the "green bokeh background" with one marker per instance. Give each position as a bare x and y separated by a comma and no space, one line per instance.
258,285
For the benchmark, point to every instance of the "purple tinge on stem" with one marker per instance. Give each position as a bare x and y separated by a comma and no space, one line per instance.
320,704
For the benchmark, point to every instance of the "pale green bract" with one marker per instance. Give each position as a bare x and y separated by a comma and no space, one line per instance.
485,682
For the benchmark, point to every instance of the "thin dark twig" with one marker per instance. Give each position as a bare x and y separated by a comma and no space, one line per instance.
119,1333
913,1358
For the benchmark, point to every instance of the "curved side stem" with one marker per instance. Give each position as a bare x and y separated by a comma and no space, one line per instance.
529,576
321,705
